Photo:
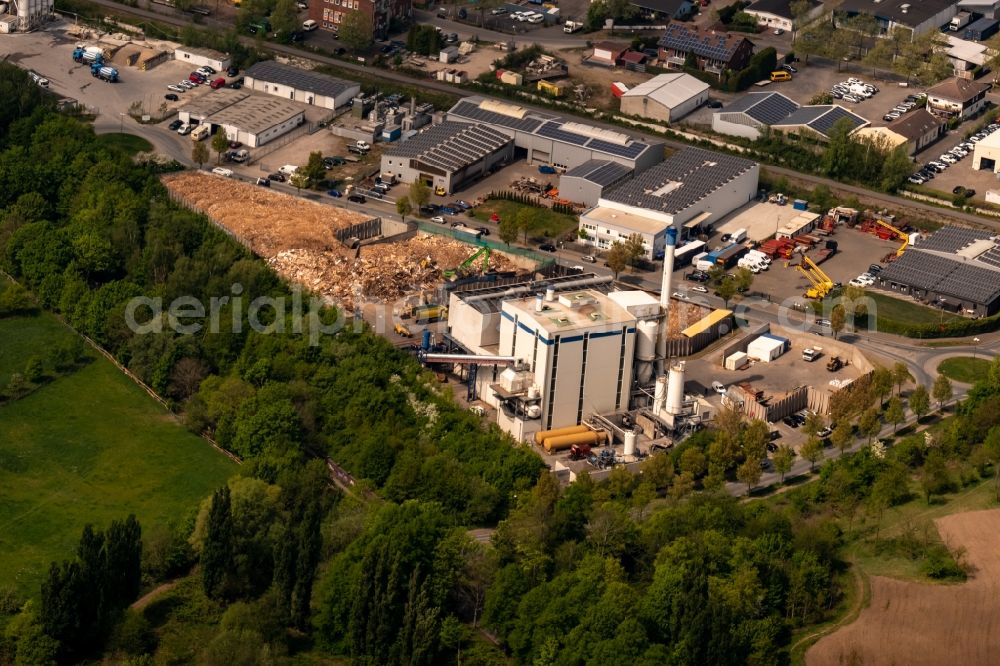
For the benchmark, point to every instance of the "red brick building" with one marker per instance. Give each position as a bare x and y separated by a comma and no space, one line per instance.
330,14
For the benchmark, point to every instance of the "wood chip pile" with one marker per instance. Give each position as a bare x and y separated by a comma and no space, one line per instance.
296,238
267,221
681,315
383,272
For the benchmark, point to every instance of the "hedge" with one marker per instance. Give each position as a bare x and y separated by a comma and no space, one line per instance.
956,328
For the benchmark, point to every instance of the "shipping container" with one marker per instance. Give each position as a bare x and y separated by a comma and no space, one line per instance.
618,88
799,204
730,256
981,30
686,253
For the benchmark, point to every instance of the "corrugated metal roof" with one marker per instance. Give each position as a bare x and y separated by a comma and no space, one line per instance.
300,79
670,90
451,145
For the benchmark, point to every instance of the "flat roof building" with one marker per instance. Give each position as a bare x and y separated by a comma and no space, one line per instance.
300,85
919,17
778,13
200,57
955,268
666,97
550,139
690,189
585,184
449,155
250,119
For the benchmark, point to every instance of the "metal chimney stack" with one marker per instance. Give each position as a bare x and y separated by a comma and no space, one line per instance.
666,288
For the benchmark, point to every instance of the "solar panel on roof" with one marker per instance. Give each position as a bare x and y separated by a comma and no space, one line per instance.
553,131
630,151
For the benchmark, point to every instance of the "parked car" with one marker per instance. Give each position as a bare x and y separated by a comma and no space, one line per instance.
170,97
175,88
825,323
700,289
499,11
589,258
789,68
964,191
714,104
547,247
277,177
464,205
222,171
874,269
439,219
175,125
185,129
483,231
264,182
357,198
439,191
232,70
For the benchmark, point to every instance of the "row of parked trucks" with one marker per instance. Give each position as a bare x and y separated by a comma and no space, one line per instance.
94,56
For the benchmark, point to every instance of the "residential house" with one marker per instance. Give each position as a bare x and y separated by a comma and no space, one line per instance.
711,51
665,9
778,13
914,131
920,16
956,97
330,14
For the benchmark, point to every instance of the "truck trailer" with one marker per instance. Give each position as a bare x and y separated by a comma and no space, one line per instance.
728,257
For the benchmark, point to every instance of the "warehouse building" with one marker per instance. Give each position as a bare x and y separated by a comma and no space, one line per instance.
986,154
751,115
449,155
815,122
691,190
585,183
667,97
913,131
955,268
549,139
199,57
918,17
253,120
300,85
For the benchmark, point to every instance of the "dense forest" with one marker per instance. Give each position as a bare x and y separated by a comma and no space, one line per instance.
660,568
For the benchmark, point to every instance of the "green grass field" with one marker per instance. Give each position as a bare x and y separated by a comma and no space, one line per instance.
964,369
907,312
24,337
129,144
88,448
550,224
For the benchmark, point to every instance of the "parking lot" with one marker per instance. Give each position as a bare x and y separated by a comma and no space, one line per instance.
960,174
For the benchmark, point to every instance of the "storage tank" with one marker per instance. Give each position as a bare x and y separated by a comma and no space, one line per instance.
630,439
542,435
675,389
533,392
660,394
645,349
561,442
533,411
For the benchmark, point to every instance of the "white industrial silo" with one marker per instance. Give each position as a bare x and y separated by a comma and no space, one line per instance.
660,395
630,439
645,351
675,389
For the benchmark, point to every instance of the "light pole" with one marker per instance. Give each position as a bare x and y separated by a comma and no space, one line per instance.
975,347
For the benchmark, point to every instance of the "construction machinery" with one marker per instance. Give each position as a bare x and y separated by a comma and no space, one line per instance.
820,281
484,252
834,364
402,330
898,233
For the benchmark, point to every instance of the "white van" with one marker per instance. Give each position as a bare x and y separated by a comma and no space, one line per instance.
222,171
536,18
288,169
309,25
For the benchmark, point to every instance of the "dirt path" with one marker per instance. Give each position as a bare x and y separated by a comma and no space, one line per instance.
862,594
922,624
148,598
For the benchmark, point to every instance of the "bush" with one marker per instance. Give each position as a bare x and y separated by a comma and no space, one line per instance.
955,328
940,565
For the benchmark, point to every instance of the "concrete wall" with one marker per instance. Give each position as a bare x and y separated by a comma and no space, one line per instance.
736,124
579,190
647,107
295,95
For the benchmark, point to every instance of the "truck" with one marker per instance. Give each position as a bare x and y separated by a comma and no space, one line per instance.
356,150
572,26
109,74
201,132
387,178
91,57
423,314
738,236
729,256
810,354
959,21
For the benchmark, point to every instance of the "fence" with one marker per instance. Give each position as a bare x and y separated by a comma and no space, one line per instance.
360,232
283,140
184,201
540,261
